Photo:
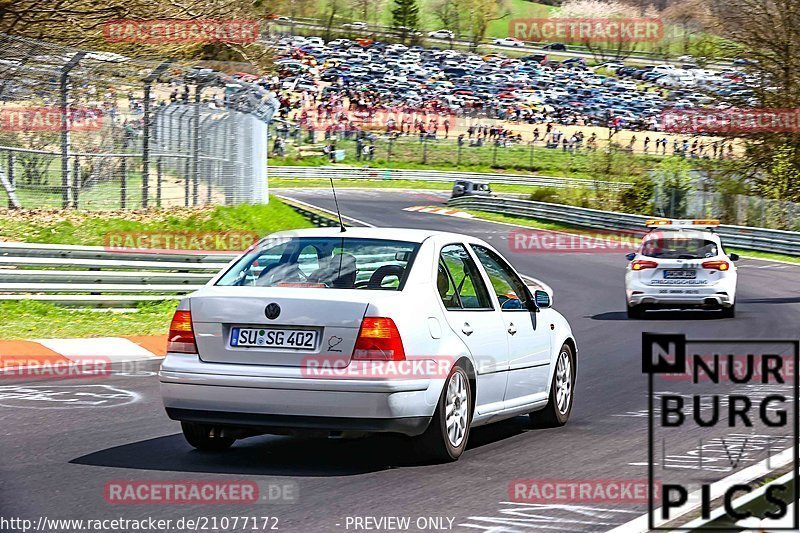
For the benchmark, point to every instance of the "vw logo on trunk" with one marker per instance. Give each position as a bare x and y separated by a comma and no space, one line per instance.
272,311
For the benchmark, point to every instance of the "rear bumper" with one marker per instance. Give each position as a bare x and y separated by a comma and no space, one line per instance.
407,426
250,396
703,298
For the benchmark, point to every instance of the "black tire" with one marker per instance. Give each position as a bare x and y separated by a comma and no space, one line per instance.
205,438
729,312
635,311
552,415
435,444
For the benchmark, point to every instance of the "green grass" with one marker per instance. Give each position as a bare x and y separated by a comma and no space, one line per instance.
91,228
445,155
387,184
37,320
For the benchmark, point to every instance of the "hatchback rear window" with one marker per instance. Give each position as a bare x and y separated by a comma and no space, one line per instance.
324,262
679,248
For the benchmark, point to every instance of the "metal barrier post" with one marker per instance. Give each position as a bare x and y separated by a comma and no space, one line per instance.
65,125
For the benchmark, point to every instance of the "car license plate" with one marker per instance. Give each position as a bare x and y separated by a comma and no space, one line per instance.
680,274
302,339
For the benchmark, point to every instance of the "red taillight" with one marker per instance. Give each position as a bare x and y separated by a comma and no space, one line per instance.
378,339
716,265
181,334
641,264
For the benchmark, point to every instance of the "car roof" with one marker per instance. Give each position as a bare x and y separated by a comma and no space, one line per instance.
398,234
681,233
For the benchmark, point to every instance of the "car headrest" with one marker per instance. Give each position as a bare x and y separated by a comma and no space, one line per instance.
383,272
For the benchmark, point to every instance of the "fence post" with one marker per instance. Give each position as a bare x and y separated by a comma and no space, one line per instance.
12,161
186,187
424,150
123,189
159,177
148,82
76,180
65,141
198,89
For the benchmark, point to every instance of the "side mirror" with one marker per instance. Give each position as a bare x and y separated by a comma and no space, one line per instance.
630,256
734,257
541,299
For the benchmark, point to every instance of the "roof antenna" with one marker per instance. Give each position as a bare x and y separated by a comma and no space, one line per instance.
336,202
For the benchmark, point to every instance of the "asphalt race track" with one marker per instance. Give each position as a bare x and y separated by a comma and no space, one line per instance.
64,440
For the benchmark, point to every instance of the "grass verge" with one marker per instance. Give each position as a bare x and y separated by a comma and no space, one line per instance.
91,227
41,320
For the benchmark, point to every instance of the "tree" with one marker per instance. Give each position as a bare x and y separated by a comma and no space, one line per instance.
600,10
690,17
448,12
405,16
765,32
480,14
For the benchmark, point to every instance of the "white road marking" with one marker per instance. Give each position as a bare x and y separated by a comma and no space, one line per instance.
46,397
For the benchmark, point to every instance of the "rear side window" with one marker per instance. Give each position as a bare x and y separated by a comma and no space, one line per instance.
459,282
324,262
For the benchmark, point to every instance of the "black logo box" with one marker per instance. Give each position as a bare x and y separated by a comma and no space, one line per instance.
677,364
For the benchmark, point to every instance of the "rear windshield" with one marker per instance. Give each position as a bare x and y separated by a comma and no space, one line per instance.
679,248
324,262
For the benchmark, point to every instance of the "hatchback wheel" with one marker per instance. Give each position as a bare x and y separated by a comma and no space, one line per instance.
206,438
446,437
559,405
635,311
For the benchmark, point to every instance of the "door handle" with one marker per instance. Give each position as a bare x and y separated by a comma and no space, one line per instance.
512,329
467,329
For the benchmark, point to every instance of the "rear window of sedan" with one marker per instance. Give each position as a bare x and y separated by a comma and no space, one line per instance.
324,262
679,248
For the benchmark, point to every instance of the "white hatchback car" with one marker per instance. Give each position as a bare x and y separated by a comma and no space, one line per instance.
681,264
421,333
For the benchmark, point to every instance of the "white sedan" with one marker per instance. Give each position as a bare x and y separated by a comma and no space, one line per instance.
507,41
421,333
681,264
441,34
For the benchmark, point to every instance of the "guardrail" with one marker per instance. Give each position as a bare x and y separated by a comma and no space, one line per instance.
367,173
98,277
744,237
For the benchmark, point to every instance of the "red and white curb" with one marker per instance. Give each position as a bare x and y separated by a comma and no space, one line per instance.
439,211
16,355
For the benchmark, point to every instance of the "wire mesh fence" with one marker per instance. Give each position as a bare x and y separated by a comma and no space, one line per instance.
98,130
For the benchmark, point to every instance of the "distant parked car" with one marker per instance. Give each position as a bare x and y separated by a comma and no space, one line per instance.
508,41
561,47
471,188
441,34
356,25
